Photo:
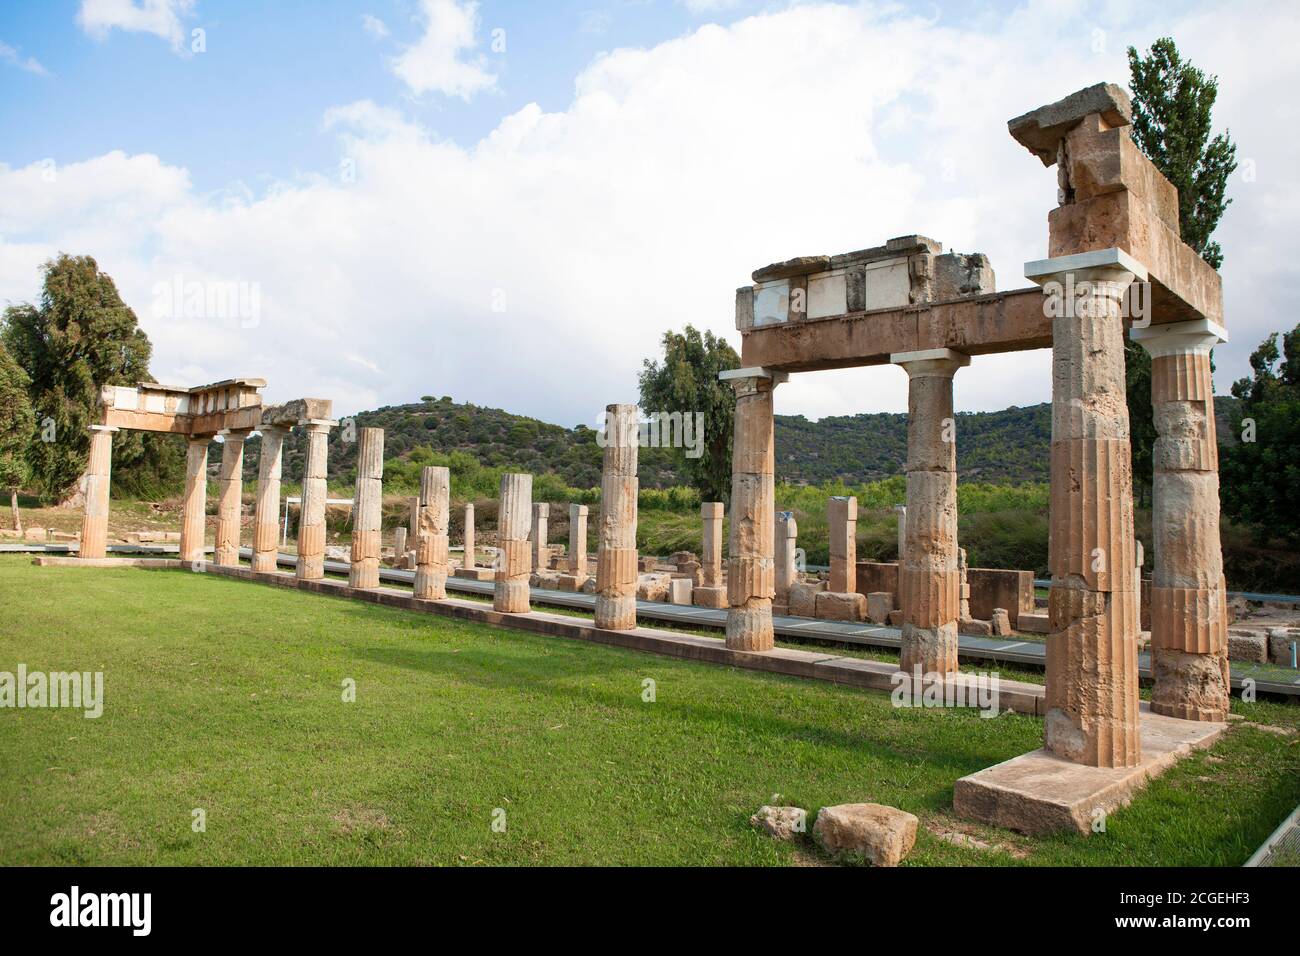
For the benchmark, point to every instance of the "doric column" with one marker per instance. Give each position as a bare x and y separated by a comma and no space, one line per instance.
194,505
468,560
578,540
751,579
367,509
616,556
311,519
230,495
266,515
787,571
842,520
431,544
540,554
510,592
94,520
929,579
1092,675
1189,624
712,590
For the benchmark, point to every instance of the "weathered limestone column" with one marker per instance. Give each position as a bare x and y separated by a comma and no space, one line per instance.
230,494
1092,675
413,520
901,511
510,593
712,590
432,544
468,561
399,544
751,582
94,520
540,555
367,509
266,517
311,519
616,569
842,519
787,572
929,579
1189,624
194,505
578,541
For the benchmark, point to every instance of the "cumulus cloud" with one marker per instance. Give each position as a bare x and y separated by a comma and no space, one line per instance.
29,63
535,268
162,18
442,59
374,26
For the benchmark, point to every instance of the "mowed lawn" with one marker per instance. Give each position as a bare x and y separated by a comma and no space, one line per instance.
227,696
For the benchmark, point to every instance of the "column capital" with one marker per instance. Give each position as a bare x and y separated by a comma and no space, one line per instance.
235,434
109,429
1113,265
318,424
199,439
753,372
1196,337
930,362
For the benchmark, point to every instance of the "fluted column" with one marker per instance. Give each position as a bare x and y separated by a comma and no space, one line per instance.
1092,675
842,521
787,571
94,520
929,580
540,554
266,516
578,541
367,509
194,505
230,494
1189,623
468,561
616,568
431,544
311,519
751,578
712,589
510,592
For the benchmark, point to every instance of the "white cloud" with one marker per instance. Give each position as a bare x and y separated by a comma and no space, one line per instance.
162,18
374,26
11,56
673,173
708,6
437,61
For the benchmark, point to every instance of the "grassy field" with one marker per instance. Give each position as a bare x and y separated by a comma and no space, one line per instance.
227,696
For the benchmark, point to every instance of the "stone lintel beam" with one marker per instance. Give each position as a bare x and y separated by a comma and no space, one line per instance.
300,411
1041,129
977,325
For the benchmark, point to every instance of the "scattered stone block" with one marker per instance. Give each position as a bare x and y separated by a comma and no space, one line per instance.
679,591
590,586
1280,640
803,598
896,617
781,823
973,628
1034,623
1247,645
881,835
841,606
653,586
879,606
572,582
709,597
35,534
545,579
1001,622
475,574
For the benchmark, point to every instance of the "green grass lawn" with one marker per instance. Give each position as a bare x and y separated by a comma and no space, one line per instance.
227,696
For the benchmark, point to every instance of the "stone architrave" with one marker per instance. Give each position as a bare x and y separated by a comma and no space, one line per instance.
432,543
616,558
468,561
367,509
1092,672
751,572
842,520
230,493
510,593
929,579
94,520
787,570
540,554
712,589
1189,610
266,518
311,517
578,541
194,507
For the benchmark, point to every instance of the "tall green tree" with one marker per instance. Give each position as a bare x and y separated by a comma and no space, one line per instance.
17,431
1172,106
686,381
1261,472
80,337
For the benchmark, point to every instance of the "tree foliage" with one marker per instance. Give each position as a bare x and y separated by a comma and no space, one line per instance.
1261,473
17,424
1173,102
686,381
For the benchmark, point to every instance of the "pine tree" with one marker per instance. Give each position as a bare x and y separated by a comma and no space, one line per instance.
1172,106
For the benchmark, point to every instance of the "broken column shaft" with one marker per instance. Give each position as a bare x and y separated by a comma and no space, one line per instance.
787,569
311,516
195,500
266,518
230,494
94,520
432,543
367,509
540,555
842,522
510,593
616,565
578,541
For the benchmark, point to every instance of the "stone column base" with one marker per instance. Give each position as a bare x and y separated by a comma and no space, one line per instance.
749,628
616,613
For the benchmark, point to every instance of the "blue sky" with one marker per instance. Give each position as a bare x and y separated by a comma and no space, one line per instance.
414,212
